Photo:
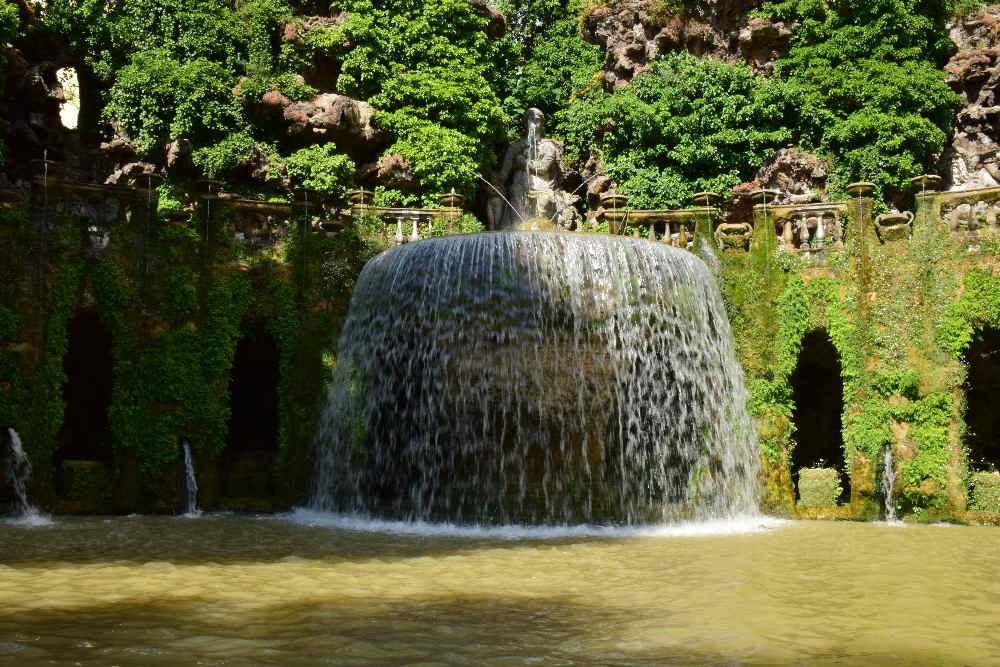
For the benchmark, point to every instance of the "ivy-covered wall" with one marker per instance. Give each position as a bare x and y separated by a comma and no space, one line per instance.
900,315
177,287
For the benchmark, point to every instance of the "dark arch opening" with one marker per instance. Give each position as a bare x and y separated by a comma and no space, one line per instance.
818,392
253,421
982,389
86,430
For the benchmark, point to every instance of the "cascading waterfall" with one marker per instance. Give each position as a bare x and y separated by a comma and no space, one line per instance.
888,479
19,476
538,378
190,483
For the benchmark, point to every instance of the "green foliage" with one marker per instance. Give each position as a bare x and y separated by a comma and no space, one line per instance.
557,62
288,84
46,416
10,21
431,70
977,307
966,7
155,98
233,151
686,125
866,81
321,168
237,37
443,159
178,385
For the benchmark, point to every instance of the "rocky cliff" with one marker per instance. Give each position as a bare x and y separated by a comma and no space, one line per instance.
974,73
633,32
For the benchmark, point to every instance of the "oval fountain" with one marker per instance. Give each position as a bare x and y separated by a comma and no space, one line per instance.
534,377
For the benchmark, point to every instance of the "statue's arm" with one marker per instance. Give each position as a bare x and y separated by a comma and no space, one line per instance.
507,166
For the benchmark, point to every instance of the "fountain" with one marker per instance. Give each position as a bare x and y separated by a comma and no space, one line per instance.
190,483
532,174
888,478
19,476
536,378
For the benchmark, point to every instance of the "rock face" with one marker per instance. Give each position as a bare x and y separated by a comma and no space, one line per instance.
29,111
974,73
334,117
633,32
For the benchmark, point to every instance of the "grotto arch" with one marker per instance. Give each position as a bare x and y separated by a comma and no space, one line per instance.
85,434
818,406
252,444
982,389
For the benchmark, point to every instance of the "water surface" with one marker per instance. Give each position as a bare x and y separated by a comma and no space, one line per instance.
308,589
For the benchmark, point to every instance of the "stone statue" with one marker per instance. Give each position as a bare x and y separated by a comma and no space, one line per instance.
531,177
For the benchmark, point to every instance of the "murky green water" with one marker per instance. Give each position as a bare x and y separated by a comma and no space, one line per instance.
245,590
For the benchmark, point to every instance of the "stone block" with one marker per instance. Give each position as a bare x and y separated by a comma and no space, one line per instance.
986,491
819,487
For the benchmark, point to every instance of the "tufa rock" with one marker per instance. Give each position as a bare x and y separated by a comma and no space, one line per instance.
632,33
970,161
338,118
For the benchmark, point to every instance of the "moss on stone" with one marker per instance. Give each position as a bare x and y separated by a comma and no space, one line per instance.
986,492
819,487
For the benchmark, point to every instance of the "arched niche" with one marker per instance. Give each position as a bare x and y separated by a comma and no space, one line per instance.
247,464
982,391
86,432
818,394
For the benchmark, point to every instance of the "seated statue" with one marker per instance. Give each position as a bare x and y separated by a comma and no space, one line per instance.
531,176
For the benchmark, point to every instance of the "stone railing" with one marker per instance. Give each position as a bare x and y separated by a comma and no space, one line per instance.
677,227
968,212
805,228
403,225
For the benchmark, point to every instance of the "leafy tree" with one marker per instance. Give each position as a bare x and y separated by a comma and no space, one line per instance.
684,126
867,79
10,21
556,61
321,168
156,98
431,70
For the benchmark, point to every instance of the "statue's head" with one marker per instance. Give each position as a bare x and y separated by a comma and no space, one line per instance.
533,120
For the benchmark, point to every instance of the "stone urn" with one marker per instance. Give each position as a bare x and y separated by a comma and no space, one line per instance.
309,197
927,182
451,200
209,186
177,215
360,197
10,198
764,196
144,182
705,198
894,226
615,210
734,235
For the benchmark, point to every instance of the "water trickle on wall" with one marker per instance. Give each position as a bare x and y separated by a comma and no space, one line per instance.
190,483
19,476
537,377
888,480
